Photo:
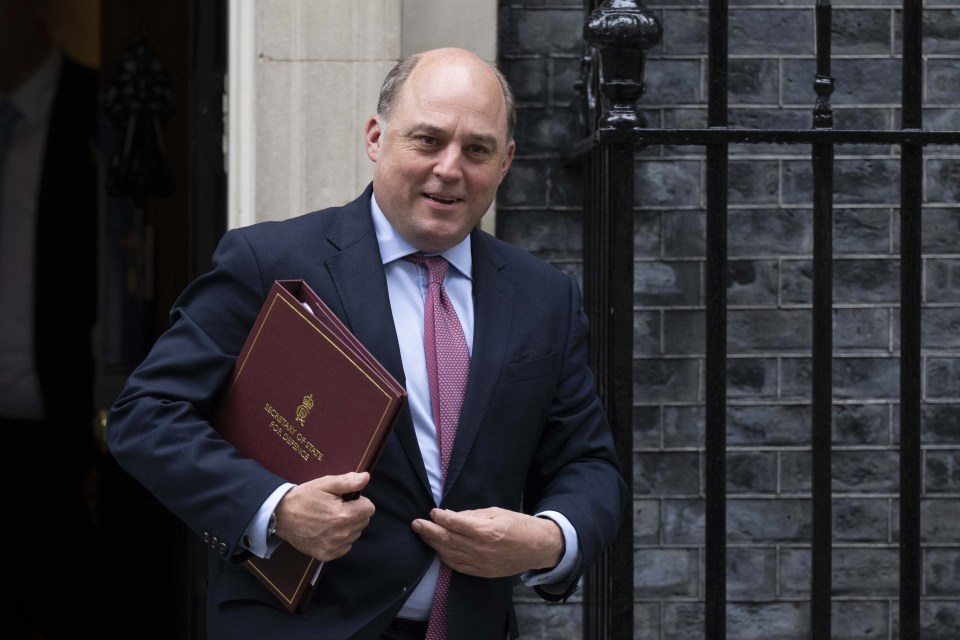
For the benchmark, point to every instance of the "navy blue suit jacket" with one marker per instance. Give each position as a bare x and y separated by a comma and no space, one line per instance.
532,434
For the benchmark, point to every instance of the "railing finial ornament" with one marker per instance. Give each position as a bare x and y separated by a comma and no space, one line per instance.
621,31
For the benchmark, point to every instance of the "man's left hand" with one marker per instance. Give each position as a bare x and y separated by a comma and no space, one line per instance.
492,542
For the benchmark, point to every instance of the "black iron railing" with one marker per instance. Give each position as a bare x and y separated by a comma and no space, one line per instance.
618,33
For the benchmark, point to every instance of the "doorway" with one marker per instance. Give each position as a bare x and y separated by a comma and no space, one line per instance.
162,209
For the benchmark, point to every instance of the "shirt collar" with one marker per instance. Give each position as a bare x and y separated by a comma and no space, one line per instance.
393,246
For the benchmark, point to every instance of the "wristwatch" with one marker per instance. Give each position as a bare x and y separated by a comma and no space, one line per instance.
272,526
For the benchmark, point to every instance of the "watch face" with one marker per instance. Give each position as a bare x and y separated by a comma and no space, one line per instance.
272,526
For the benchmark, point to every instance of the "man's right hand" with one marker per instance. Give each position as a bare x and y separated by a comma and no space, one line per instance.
316,520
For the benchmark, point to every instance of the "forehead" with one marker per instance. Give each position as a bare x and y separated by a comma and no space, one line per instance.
454,93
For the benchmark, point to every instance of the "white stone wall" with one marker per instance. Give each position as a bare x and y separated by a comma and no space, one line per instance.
304,78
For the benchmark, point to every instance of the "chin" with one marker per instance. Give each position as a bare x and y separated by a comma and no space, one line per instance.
437,242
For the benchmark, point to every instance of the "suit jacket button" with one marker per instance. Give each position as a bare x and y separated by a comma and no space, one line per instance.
222,548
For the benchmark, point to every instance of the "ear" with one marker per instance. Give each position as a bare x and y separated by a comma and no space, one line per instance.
507,159
372,138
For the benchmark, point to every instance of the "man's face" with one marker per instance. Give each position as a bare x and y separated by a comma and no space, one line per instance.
443,153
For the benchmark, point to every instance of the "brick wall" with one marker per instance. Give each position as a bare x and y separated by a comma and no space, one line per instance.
771,69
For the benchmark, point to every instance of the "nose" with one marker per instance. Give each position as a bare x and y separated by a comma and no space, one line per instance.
449,163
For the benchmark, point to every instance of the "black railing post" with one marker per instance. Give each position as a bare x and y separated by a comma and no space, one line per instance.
715,408
911,266
619,32
821,579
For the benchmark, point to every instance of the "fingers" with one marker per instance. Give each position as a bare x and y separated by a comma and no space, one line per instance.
479,524
442,526
429,531
335,541
457,522
327,496
348,483
455,536
491,542
317,518
453,548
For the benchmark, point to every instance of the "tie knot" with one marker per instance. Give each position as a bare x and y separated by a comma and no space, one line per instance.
436,265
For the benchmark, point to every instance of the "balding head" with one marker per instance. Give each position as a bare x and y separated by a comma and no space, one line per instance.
398,76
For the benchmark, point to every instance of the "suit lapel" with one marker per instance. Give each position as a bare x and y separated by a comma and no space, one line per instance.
493,312
357,275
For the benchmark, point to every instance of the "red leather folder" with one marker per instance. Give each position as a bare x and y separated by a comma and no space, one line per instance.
305,399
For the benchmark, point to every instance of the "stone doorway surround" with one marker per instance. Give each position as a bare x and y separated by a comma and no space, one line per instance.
303,79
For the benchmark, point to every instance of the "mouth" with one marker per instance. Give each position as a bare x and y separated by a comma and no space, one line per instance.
442,199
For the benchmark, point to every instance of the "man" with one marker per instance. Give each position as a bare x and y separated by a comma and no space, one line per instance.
48,278
532,487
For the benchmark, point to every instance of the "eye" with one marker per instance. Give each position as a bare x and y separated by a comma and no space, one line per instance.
427,141
478,150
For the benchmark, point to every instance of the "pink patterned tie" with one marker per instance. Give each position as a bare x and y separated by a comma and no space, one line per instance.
448,363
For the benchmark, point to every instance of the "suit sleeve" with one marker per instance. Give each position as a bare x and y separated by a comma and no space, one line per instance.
158,428
576,471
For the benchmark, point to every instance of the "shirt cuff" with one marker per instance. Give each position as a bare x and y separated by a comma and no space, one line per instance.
568,562
255,536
